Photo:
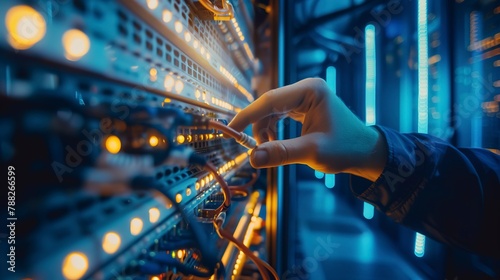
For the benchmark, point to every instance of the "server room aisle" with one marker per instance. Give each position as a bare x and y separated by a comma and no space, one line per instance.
337,243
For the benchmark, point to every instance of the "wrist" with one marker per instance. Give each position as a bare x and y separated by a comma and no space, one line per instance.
370,162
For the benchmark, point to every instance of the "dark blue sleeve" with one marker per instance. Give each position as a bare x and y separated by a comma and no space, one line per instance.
449,194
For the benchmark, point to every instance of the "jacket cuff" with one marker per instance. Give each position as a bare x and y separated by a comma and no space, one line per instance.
401,177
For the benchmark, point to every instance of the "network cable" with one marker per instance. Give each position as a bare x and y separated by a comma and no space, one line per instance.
262,266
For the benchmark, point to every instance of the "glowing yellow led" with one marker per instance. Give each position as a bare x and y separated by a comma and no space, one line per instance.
178,198
178,26
166,15
76,44
111,242
113,144
202,50
188,191
153,141
197,186
208,56
179,86
187,36
155,278
180,138
153,71
169,82
136,226
154,215
211,177
196,43
152,4
75,265
25,27
189,138
202,183
197,94
207,180
180,254
202,137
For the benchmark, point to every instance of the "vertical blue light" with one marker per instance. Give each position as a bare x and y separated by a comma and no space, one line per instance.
330,180
423,68
419,245
331,80
371,75
370,93
423,92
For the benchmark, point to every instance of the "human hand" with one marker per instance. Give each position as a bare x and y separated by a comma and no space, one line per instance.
333,139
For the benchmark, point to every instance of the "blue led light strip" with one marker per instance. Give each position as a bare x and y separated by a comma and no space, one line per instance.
423,92
370,93
331,80
419,245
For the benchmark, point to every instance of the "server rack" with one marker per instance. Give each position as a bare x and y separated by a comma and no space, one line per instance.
100,102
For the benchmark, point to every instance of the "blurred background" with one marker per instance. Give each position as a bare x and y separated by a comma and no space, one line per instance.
414,66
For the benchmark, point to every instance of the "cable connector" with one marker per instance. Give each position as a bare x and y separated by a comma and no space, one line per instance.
246,141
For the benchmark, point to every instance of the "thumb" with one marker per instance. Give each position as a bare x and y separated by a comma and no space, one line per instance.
275,153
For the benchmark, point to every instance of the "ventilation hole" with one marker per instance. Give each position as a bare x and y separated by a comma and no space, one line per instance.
80,5
137,38
168,172
122,30
136,25
122,15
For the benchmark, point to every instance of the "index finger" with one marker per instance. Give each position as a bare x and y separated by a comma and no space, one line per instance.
277,101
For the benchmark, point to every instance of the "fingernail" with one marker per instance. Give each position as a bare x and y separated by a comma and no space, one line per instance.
259,157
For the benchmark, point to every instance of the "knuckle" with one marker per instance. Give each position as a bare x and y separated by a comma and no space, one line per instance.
316,87
281,154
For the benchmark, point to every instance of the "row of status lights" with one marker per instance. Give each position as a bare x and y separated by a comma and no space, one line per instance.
238,29
167,17
76,264
26,27
242,39
174,83
233,80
